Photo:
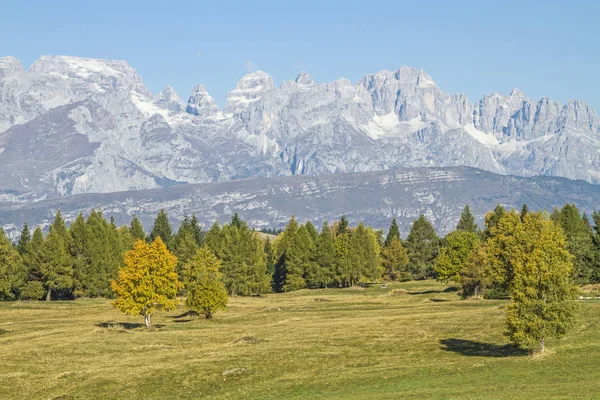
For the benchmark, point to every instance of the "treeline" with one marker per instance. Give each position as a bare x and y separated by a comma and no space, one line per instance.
84,258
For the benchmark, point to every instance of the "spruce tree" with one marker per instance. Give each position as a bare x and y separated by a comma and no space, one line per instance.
243,261
343,227
33,260
467,221
13,272
422,244
364,252
237,222
524,211
393,232
298,260
325,256
196,230
312,231
492,219
206,293
580,241
23,246
394,259
270,259
283,242
56,264
184,248
214,239
343,262
136,229
162,228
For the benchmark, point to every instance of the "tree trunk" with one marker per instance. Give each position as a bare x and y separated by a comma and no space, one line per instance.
49,295
147,321
542,344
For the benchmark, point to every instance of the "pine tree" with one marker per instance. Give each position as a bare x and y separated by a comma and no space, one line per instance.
270,259
343,262
467,221
33,259
343,226
580,239
312,231
147,282
283,242
162,228
542,296
205,292
196,230
23,246
364,251
492,218
78,248
298,260
393,232
325,256
243,261
237,222
455,254
13,272
214,238
184,248
394,259
524,211
422,244
137,229
56,264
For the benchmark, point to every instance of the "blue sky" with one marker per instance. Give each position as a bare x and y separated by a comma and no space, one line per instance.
545,48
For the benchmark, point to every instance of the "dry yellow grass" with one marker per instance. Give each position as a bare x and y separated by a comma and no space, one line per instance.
410,340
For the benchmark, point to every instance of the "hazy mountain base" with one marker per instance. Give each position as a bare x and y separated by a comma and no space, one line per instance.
372,197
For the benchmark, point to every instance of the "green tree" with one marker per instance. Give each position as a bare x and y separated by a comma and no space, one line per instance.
184,248
270,258
343,226
364,252
55,262
13,272
137,229
454,255
242,257
237,222
580,241
214,238
542,296
524,211
393,232
343,262
33,259
298,260
281,248
312,231
394,259
196,230
162,228
23,246
467,221
206,293
147,282
325,257
422,244
492,218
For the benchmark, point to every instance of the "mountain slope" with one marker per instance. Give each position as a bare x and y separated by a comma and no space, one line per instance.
119,136
372,197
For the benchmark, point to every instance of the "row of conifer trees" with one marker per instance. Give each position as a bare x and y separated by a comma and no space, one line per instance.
83,259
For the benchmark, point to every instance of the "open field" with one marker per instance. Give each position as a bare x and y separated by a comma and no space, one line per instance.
412,340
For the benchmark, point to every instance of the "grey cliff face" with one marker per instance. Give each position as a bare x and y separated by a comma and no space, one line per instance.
74,125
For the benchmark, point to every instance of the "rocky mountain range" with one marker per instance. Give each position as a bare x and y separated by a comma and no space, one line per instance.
372,197
72,125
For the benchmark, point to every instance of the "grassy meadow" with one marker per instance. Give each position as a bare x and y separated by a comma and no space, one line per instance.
411,340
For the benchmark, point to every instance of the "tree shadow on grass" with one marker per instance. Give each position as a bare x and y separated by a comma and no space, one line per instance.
471,348
438,300
185,315
447,290
124,325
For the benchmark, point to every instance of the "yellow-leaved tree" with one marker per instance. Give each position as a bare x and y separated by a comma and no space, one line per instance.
147,282
205,290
